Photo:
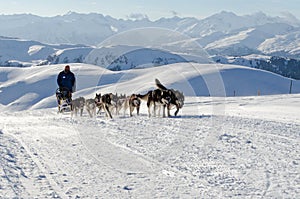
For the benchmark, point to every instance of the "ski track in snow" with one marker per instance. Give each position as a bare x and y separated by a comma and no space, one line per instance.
45,155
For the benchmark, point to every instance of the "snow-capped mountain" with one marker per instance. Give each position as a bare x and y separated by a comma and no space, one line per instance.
227,22
215,33
224,34
23,53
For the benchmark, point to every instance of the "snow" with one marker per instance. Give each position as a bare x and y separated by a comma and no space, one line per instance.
218,146
192,78
128,57
234,39
34,49
237,135
249,40
283,45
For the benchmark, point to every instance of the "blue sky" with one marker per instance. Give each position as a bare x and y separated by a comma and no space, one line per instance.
154,9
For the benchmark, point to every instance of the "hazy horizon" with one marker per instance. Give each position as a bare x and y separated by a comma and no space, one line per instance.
140,16
137,9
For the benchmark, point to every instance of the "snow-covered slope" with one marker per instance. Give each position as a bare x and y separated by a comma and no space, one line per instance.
34,87
282,45
217,148
19,52
128,57
69,55
247,41
22,51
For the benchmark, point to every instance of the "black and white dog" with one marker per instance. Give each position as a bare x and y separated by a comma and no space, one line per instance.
163,97
177,97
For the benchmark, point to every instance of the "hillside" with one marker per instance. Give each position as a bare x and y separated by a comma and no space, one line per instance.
34,87
284,66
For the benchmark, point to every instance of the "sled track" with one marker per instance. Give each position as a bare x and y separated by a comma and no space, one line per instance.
130,156
57,191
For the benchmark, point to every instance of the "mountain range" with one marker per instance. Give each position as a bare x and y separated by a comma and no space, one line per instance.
224,32
71,37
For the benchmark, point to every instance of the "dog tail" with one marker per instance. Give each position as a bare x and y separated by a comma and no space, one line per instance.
144,97
159,85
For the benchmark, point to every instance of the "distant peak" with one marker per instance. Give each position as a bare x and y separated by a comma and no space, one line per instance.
70,13
137,16
226,13
260,15
223,15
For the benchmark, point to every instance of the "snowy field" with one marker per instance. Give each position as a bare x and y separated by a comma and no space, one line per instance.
240,147
218,147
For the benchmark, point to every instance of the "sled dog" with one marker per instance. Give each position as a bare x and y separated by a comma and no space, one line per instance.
156,98
167,98
104,102
98,102
132,102
91,107
77,104
176,97
117,103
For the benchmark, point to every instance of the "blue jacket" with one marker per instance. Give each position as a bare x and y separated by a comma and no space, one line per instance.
66,80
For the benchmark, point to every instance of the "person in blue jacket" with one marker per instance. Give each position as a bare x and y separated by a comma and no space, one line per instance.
66,81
